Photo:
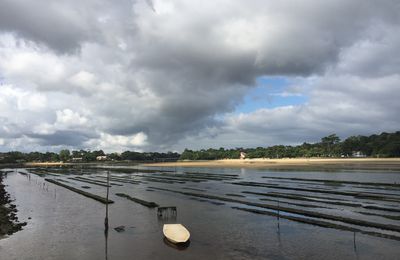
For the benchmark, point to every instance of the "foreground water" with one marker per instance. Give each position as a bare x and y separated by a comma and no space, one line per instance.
63,224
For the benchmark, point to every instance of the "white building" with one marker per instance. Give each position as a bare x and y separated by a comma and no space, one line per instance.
101,158
358,154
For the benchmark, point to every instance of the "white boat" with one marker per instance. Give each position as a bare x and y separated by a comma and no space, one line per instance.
176,233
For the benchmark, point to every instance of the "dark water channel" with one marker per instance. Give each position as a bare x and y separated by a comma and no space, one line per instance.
63,224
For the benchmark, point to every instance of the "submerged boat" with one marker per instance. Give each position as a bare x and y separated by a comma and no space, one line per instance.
176,233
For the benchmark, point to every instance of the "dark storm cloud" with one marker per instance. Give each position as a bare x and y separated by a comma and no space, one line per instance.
46,22
62,25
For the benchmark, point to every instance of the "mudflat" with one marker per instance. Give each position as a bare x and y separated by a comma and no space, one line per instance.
8,212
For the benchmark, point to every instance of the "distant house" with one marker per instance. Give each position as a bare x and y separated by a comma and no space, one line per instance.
358,154
242,155
101,158
77,159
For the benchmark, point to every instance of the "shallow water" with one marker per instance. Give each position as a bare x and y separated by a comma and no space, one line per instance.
67,225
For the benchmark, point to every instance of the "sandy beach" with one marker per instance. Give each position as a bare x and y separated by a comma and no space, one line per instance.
46,164
286,163
351,163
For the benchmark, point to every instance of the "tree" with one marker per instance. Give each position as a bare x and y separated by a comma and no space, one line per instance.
54,157
330,139
328,142
65,155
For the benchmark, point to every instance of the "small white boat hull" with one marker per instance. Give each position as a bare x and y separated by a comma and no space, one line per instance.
176,233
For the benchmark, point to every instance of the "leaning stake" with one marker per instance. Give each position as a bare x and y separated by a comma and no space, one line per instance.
108,187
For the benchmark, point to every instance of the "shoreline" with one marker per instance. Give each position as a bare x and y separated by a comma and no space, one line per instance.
8,212
319,163
284,163
46,164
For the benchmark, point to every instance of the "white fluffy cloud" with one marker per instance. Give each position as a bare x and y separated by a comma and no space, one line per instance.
168,74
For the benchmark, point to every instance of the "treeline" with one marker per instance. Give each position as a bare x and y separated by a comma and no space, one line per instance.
153,156
85,156
383,145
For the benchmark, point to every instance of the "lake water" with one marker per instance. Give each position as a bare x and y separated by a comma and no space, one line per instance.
63,224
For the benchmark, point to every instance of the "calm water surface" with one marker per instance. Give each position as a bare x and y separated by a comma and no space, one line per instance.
66,225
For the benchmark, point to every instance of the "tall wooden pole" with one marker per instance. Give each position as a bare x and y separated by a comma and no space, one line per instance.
106,219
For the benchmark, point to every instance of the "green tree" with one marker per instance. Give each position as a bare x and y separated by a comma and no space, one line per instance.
329,142
65,155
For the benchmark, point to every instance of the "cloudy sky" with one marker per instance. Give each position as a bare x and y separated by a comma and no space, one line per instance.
159,75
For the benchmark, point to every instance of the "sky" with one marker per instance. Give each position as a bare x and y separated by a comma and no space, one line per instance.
165,75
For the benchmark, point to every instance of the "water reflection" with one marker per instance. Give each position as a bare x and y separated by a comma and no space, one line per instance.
355,245
167,213
106,243
179,246
278,231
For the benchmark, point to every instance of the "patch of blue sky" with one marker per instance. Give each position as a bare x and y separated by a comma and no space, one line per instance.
272,92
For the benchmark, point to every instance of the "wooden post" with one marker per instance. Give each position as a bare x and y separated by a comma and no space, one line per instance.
106,219
278,209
